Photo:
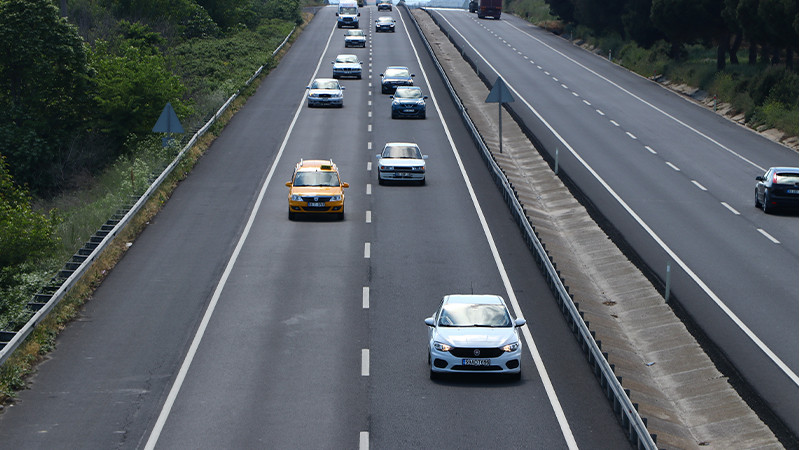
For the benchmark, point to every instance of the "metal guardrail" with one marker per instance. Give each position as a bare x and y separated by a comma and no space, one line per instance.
50,295
625,410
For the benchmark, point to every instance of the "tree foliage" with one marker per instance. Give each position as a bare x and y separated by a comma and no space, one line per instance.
24,233
43,89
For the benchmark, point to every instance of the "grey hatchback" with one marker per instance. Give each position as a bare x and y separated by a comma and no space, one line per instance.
777,188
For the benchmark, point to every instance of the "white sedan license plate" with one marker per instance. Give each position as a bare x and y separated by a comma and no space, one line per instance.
475,362
316,204
401,174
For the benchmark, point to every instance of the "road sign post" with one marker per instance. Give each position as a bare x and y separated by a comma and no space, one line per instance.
500,94
169,123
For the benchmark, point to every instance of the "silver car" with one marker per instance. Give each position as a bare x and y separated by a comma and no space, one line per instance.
474,334
355,38
401,161
346,66
325,92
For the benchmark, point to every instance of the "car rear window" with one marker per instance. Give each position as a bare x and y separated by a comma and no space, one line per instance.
786,178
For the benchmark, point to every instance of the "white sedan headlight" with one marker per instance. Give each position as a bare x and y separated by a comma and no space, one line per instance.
511,347
441,346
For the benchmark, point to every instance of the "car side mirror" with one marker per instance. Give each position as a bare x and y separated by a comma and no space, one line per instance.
345,185
380,75
760,178
412,75
378,156
429,322
288,184
337,14
424,97
391,96
342,87
359,14
424,156
519,322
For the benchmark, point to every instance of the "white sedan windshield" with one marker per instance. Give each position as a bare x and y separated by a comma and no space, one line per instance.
474,315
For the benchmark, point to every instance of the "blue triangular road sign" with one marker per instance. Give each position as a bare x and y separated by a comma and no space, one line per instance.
499,93
168,121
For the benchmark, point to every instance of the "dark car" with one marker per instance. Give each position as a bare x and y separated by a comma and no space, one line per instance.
384,5
395,76
408,101
777,188
384,23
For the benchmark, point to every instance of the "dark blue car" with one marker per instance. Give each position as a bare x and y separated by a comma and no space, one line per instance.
777,188
408,101
395,76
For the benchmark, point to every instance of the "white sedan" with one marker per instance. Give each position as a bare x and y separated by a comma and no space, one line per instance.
325,92
401,161
474,333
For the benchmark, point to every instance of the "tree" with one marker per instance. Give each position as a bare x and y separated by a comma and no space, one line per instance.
681,21
637,24
43,80
24,233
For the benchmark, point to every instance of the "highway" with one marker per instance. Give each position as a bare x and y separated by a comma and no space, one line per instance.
673,179
228,326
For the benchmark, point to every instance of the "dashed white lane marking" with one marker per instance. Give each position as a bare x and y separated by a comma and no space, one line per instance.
673,166
369,128
369,102
575,94
369,145
600,112
369,166
649,149
630,135
614,122
369,189
587,103
366,250
369,217
768,236
365,297
364,362
731,209
363,441
696,183
369,113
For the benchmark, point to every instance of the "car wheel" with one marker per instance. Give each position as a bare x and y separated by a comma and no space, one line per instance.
381,181
422,182
340,216
358,77
516,376
765,206
422,116
434,375
394,115
292,216
758,204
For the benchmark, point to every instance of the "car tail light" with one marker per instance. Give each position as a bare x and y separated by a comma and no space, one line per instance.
775,178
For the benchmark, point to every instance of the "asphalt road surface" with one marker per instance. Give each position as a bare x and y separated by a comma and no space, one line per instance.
675,180
228,326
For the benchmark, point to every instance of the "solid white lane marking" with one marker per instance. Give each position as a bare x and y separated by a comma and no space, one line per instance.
365,297
731,208
555,404
666,114
685,267
769,236
696,183
363,441
369,217
673,166
366,250
158,427
365,362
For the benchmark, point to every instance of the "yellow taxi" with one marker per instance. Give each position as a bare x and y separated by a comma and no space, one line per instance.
316,188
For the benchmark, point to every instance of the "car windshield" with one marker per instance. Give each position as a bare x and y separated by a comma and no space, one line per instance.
385,20
355,33
408,93
402,151
328,179
474,315
786,178
397,73
346,59
348,10
325,84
